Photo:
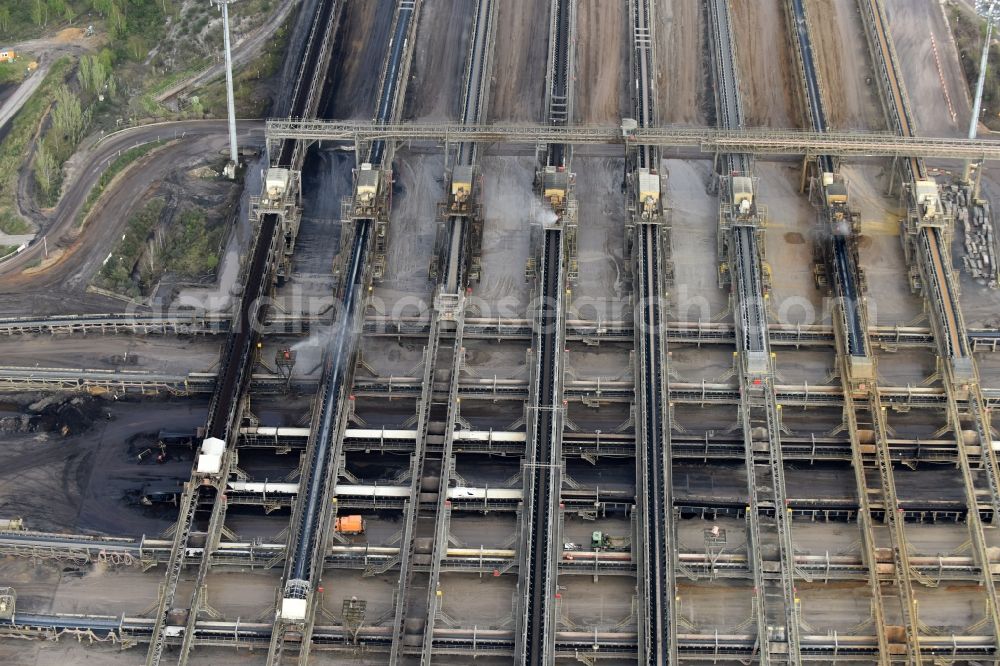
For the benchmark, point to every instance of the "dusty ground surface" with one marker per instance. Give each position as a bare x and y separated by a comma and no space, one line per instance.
519,61
939,99
361,41
768,73
160,354
850,89
793,229
507,205
890,300
682,76
604,280
694,231
412,229
85,482
439,61
602,62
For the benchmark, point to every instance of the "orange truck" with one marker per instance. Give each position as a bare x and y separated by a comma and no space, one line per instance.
350,525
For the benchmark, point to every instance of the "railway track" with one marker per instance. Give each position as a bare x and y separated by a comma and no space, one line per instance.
774,601
426,515
655,548
542,472
312,511
237,364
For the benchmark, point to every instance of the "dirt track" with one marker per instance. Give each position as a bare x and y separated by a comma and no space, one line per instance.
439,61
681,62
850,95
522,38
768,77
913,23
602,63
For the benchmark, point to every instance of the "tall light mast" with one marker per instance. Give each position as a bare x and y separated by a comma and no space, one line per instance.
233,154
988,9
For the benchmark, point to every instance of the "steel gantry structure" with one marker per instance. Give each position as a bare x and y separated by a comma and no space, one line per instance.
927,234
741,219
873,474
712,141
656,547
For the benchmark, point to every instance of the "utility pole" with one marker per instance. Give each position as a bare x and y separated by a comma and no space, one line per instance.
234,160
988,10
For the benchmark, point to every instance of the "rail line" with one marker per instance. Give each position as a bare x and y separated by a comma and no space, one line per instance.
427,513
237,364
496,643
542,472
308,533
741,217
844,268
654,550
960,369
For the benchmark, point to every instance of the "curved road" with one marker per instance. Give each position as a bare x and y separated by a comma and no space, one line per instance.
194,138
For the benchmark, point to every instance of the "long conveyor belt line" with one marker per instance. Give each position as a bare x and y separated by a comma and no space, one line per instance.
844,274
654,464
542,473
475,96
536,609
422,523
308,533
237,363
853,342
960,367
655,548
758,401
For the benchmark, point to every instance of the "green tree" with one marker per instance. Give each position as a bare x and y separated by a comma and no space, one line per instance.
93,74
68,116
4,19
136,47
39,12
45,168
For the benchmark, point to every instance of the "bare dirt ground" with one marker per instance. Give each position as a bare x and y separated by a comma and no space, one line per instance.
792,225
519,60
507,196
600,290
602,63
913,24
889,298
768,76
850,93
411,232
682,64
694,229
439,61
362,42
81,483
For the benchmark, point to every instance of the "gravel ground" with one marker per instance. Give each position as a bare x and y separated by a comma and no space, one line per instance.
850,89
682,78
767,69
519,61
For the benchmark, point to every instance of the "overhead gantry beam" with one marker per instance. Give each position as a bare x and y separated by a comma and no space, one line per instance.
756,141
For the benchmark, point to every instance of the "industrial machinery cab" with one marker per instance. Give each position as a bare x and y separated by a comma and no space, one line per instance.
367,191
460,197
555,184
741,188
649,194
276,183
